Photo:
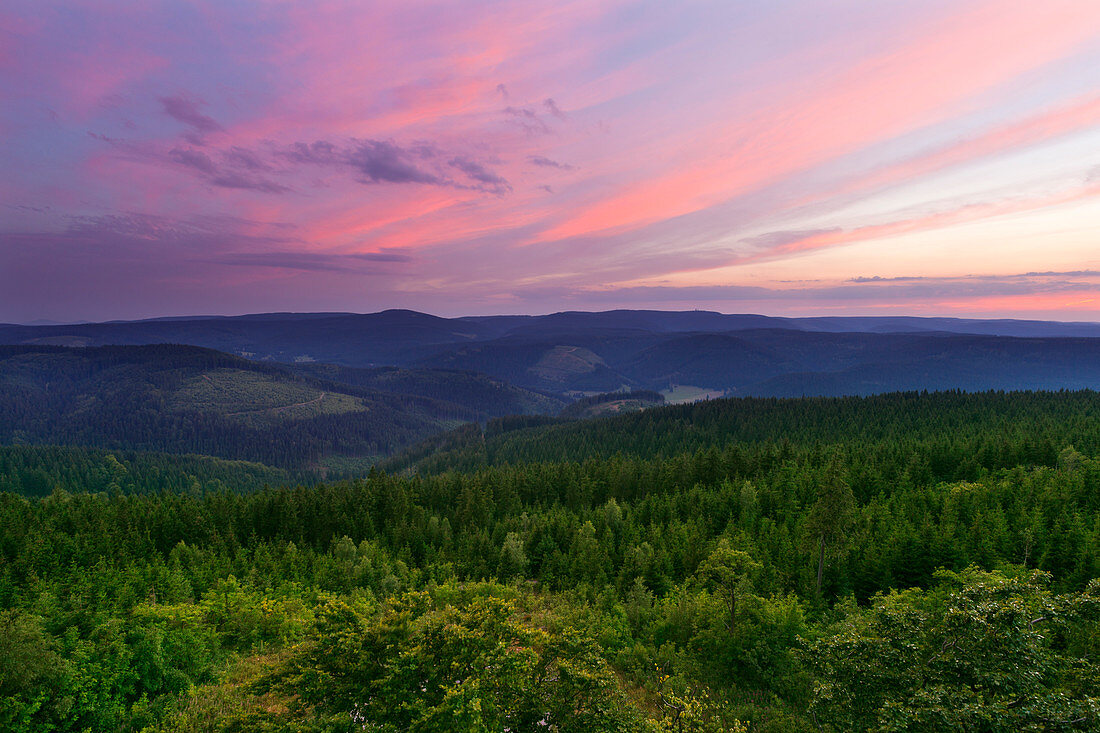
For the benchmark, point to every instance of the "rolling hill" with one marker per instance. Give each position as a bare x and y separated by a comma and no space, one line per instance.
184,399
578,353
358,340
396,337
38,471
780,362
492,397
987,428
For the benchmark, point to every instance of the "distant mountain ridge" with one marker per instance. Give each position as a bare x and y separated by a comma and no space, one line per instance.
406,327
574,352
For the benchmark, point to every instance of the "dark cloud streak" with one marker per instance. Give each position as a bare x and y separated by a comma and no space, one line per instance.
186,110
552,107
311,261
203,164
475,171
528,119
385,162
196,159
372,161
545,162
236,180
865,290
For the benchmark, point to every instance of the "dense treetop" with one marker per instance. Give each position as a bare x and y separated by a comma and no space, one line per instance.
932,567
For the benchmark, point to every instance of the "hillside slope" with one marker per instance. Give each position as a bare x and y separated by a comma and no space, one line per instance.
183,399
983,424
492,397
694,352
38,471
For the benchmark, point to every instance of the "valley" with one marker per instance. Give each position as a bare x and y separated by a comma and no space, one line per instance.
632,528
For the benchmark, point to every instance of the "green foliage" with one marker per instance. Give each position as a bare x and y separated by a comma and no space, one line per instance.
33,675
413,666
979,652
40,470
679,587
830,518
960,433
513,558
612,403
730,571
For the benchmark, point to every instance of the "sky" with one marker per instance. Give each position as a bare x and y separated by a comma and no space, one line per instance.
786,157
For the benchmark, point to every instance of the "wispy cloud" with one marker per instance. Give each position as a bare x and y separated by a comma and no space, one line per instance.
187,111
527,119
311,261
552,107
238,169
480,175
385,162
904,289
716,145
544,162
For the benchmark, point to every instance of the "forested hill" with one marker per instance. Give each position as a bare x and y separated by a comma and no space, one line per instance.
918,562
184,399
491,397
988,428
780,362
38,471
693,352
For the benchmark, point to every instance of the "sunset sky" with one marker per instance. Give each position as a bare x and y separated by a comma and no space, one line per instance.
787,157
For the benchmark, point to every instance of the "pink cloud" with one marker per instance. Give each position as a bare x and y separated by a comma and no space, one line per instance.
1080,115
941,69
939,220
568,143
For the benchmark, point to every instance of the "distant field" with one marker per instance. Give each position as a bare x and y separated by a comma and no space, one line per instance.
682,393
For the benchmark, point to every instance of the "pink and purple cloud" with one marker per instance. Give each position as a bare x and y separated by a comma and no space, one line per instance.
788,157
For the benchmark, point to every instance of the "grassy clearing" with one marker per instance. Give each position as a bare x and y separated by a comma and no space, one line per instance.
250,397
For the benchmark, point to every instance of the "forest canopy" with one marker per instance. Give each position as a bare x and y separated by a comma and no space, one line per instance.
737,564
